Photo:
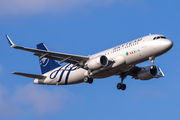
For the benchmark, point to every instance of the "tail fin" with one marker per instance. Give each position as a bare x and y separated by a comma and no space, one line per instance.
45,63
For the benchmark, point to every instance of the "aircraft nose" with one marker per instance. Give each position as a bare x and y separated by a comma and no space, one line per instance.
168,44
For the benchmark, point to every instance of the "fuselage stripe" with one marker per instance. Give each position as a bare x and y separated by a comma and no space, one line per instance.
67,76
63,73
57,71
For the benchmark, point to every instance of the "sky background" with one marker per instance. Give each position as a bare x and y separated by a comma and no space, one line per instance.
85,27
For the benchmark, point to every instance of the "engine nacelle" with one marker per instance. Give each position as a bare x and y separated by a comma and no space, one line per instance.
147,73
97,62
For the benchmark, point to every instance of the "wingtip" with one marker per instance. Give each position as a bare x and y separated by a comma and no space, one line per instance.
13,72
10,41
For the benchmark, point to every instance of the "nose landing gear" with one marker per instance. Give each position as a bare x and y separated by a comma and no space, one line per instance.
152,61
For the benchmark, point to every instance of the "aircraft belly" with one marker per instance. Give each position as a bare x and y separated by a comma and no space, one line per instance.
113,71
76,76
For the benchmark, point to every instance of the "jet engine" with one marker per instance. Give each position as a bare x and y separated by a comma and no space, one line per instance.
97,62
147,73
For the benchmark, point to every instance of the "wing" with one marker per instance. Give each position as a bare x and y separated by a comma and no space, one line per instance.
30,75
74,59
133,71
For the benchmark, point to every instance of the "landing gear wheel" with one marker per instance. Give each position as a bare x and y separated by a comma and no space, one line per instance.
88,80
121,86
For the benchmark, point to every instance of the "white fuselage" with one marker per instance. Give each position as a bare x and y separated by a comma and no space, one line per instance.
122,58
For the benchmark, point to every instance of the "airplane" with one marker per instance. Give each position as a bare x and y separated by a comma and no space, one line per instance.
117,61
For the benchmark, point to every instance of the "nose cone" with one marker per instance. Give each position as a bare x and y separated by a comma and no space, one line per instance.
168,44
162,46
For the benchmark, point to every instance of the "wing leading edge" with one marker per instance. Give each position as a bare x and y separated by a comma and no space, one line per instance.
49,54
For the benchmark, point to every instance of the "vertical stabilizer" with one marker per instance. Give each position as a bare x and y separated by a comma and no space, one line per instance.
45,63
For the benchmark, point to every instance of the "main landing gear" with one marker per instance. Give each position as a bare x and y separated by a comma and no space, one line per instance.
88,80
121,85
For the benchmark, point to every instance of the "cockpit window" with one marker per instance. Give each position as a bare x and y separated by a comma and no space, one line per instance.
159,37
163,37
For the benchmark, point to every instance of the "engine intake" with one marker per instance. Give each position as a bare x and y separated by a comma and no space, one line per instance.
97,62
147,73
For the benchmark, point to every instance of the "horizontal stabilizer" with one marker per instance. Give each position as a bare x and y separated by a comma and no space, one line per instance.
30,75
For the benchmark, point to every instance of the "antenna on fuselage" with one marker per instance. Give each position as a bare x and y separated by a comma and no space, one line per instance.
149,33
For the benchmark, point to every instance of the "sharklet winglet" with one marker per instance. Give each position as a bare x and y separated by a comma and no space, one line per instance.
10,41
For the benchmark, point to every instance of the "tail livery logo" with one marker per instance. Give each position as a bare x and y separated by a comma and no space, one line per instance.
44,62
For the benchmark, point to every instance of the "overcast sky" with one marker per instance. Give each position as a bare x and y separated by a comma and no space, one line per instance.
85,27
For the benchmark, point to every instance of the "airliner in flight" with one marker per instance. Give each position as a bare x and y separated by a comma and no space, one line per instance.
119,61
